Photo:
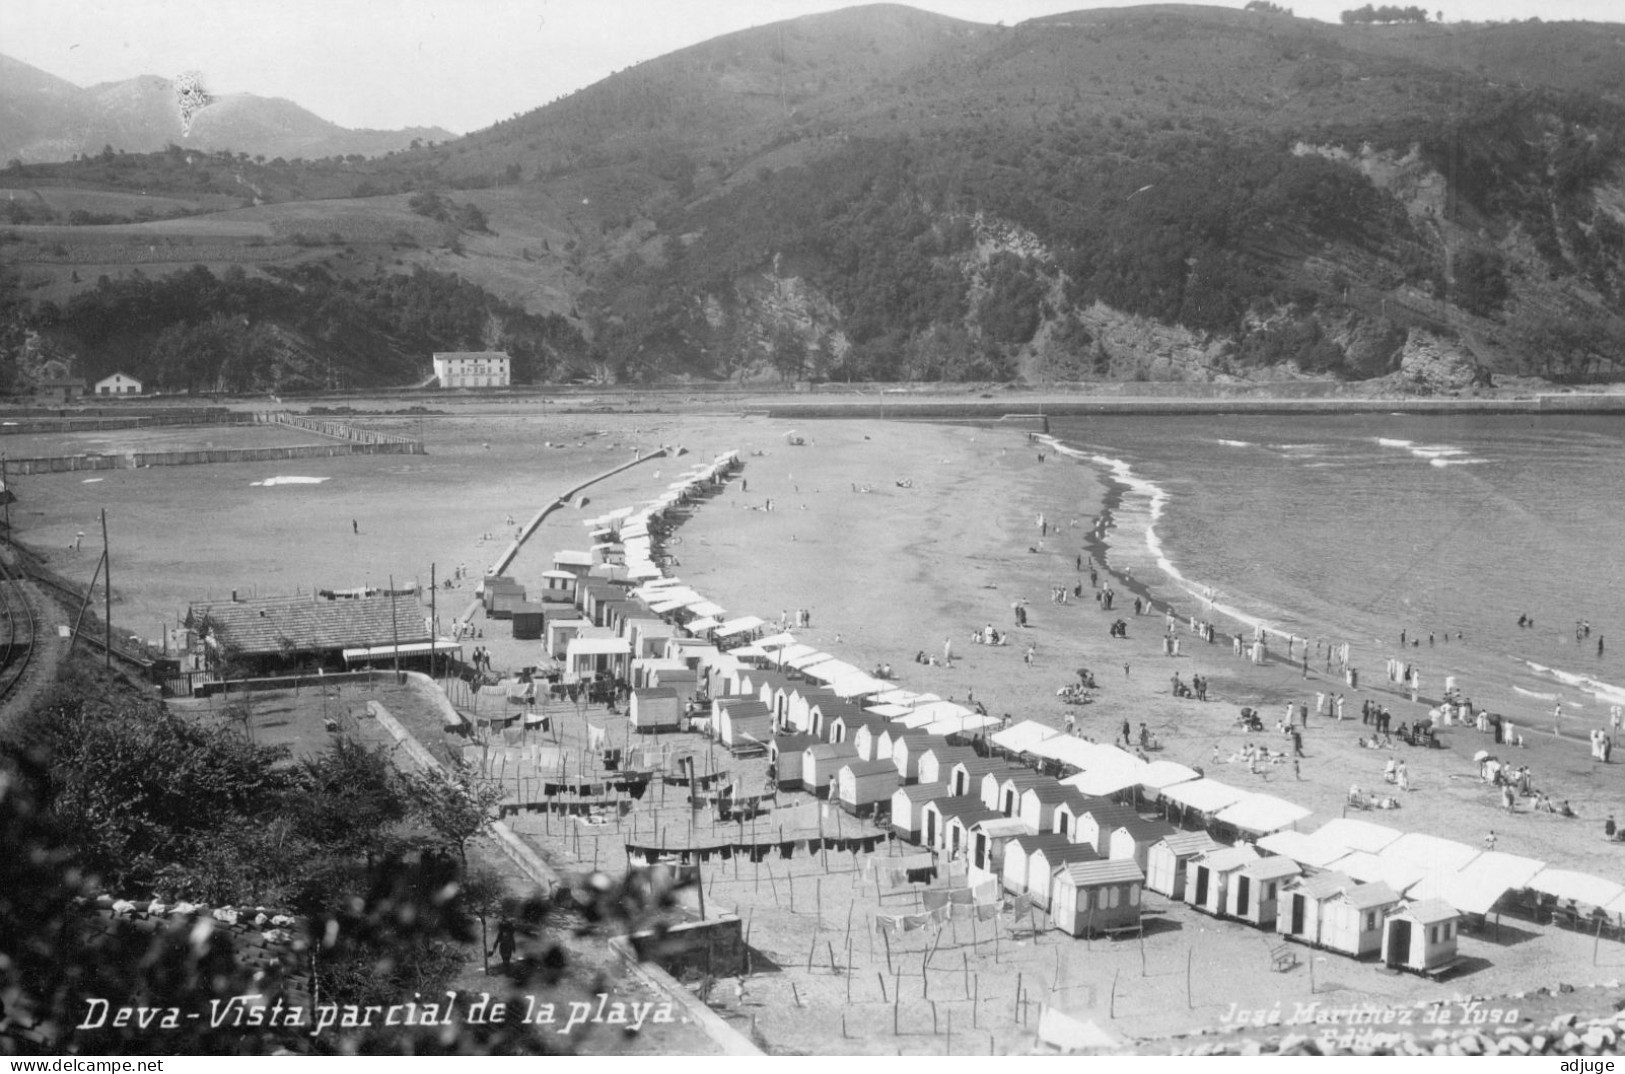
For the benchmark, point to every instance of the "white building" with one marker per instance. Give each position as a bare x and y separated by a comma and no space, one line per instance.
472,369
118,384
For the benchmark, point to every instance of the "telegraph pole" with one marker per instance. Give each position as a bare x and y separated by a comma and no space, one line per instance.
395,630
107,619
434,620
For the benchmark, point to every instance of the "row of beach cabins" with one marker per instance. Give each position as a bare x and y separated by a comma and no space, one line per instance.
1048,816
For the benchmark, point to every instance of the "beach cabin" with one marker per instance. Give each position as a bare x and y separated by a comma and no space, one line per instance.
1018,854
1421,937
1089,898
590,658
1132,840
573,562
650,637
1352,921
937,763
801,704
743,726
493,584
965,777
1168,858
1038,803
784,754
907,750
1064,821
529,620
1207,887
558,587
908,804
822,713
863,785
1096,824
1303,905
1003,792
1255,891
938,827
1044,861
557,634
987,842
654,711
872,742
845,727
821,763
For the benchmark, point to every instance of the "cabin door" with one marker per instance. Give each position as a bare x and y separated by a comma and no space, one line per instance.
1398,945
930,829
1297,914
1201,886
1243,890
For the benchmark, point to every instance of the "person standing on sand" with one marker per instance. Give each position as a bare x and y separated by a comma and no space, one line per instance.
355,527
947,652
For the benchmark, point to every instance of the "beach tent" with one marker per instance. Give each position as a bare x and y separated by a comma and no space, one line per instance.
1373,868
820,763
1305,901
1206,886
653,711
1581,889
1481,883
908,804
1044,861
1254,891
734,627
1260,814
1357,834
1159,774
1202,796
1133,840
988,839
1351,922
1022,737
1092,897
862,785
1311,850
1168,857
1421,937
1429,852
938,831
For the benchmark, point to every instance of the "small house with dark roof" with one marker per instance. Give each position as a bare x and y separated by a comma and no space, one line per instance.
279,633
1133,839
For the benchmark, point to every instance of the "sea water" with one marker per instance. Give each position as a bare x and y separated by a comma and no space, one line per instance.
1355,528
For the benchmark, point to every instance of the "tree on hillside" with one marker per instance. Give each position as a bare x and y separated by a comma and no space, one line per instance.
1384,15
1267,8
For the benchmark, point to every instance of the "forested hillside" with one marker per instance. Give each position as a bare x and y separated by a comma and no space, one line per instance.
1167,192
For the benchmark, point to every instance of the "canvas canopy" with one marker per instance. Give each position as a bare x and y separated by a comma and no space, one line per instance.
1261,814
1105,779
598,646
1478,886
1021,737
702,624
831,670
708,608
736,626
1372,869
1581,887
1429,852
1159,774
806,660
968,724
777,642
856,685
1204,795
1358,834
1304,849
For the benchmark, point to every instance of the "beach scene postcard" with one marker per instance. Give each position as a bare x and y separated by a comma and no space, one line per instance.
790,528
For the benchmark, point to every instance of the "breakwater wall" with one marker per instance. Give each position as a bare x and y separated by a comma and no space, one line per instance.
23,423
350,434
1029,410
136,460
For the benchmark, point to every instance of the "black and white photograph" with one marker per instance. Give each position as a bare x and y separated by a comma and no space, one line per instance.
640,528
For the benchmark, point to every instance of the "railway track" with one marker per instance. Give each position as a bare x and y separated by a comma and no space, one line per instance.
20,625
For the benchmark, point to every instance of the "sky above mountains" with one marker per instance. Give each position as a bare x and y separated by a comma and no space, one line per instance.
465,64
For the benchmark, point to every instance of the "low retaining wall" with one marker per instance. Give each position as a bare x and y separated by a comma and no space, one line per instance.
336,429
137,460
